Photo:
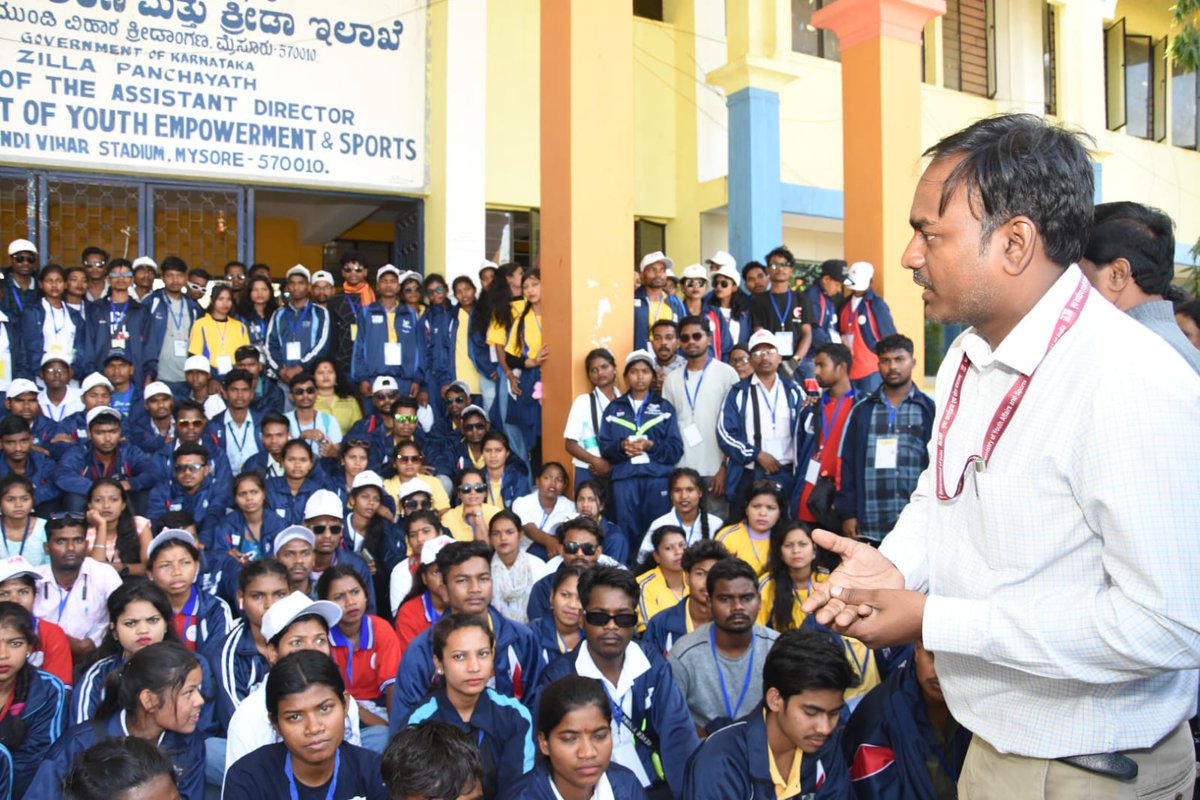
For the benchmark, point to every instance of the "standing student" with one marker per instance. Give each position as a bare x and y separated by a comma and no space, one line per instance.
345,307
823,295
639,436
750,538
652,301
576,745
784,313
432,760
728,301
298,333
862,322
661,580
306,703
218,335
819,451
514,571
527,353
241,663
667,627
785,747
391,339
791,575
256,307
200,619
51,652
49,327
126,767
581,434
118,322
172,316
464,656
688,511
695,303
560,631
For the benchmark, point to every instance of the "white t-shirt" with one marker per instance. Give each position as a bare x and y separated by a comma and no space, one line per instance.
529,509
401,583
325,423
693,534
72,403
250,727
579,423
706,391
82,611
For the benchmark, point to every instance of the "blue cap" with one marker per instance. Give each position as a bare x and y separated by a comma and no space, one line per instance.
118,352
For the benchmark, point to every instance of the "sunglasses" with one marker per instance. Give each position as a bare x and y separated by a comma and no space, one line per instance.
779,265
413,505
54,370
692,282
410,459
19,259
739,361
438,290
192,468
121,273
412,289
692,337
722,284
475,426
189,423
354,269
587,548
386,395
305,390
764,352
336,530
600,619
406,418
457,400
469,488
94,264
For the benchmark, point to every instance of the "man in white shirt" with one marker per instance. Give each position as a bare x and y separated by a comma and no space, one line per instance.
1048,557
75,590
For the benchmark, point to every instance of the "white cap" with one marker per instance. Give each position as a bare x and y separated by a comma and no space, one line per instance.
388,269
366,478
214,406
430,549
48,357
411,487
473,409
145,261
858,276
654,258
294,606
299,269
640,355
16,566
21,386
21,246
91,382
728,271
322,275
198,363
290,533
323,503
168,535
461,386
722,259
384,383
155,389
695,271
760,337
410,275
101,410
488,265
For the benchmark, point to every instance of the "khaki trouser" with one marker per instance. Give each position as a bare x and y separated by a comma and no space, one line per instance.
1165,771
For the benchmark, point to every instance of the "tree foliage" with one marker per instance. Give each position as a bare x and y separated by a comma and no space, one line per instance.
1185,47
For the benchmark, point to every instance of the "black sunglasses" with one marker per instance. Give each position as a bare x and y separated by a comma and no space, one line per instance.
20,259
600,619
692,337
722,284
690,282
304,390
467,488
336,530
413,505
587,548
457,400
64,519
475,426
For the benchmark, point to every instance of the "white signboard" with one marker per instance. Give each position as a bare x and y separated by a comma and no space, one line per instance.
298,92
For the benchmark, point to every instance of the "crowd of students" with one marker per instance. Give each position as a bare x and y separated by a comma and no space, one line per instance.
289,542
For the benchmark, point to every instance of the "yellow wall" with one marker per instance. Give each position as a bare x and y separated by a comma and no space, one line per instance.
276,242
654,97
810,125
513,103
371,232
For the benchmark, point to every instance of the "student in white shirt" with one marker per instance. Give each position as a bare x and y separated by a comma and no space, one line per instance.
543,509
688,498
582,431
75,588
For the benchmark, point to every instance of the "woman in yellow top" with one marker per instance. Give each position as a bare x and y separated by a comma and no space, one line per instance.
750,539
469,521
790,578
334,395
217,335
526,350
408,461
665,585
501,305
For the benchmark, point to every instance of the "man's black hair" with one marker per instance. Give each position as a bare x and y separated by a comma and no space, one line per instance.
1020,165
781,252
749,265
698,321
247,351
580,523
890,344
13,425
111,767
1143,236
187,405
93,251
457,553
665,323
728,569
612,577
190,449
173,264
434,760
236,375
703,550
838,353
806,659
352,256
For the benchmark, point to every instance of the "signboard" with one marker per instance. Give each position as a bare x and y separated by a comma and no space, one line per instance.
299,92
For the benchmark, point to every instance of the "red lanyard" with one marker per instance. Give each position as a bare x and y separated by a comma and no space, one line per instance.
1010,403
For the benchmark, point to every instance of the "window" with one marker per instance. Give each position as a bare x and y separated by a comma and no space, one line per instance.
1185,92
1135,83
1049,58
512,236
969,46
808,39
648,237
650,9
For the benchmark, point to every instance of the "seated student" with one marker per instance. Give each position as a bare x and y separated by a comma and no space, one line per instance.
84,621
20,531
19,458
376,427
787,746
689,498
377,541
542,510
365,649
354,458
407,463
288,493
200,619
293,547
22,401
467,450
152,429
661,576
157,698
750,538
466,568
409,427
718,666
194,490
506,475
52,652
94,390
268,461
116,536
126,395
266,396
464,654
61,397
320,431
514,571
237,431
653,727
190,421
243,536
581,545
469,520
323,516
103,455
901,740
575,740
591,499
790,577
120,769
198,386
667,627
419,527
427,599
242,664
31,716
305,700
869,666
432,760
560,631
290,625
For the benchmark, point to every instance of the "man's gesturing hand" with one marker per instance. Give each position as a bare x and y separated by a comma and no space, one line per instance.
863,567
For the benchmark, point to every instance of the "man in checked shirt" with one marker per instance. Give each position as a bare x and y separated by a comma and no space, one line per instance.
1048,556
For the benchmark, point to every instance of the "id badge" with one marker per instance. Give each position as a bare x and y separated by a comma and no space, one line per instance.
886,450
813,472
691,436
353,331
783,343
180,348
117,343
292,351
391,354
224,364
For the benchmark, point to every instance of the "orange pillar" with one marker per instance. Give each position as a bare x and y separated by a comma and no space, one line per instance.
880,43
586,251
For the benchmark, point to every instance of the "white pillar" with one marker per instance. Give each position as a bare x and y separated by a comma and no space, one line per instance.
465,142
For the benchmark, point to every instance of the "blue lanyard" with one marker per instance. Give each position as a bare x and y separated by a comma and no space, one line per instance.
770,407
117,322
951,773
639,410
837,412
298,322
712,643
291,776
176,318
431,613
24,538
617,712
355,307
691,532
65,316
16,293
691,399
350,661
892,410
241,445
787,311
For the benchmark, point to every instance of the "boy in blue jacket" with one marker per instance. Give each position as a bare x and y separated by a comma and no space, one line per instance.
298,333
103,455
787,746
391,339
